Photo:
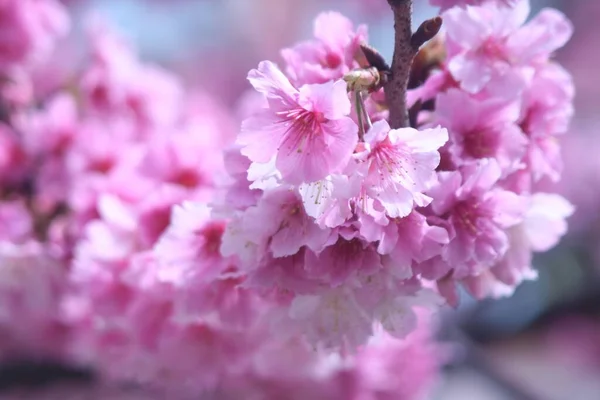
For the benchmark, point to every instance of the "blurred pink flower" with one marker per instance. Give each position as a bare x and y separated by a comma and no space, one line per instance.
13,160
28,30
330,55
482,129
477,215
489,41
445,4
31,286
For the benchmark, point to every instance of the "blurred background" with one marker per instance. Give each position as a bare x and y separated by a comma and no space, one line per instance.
542,343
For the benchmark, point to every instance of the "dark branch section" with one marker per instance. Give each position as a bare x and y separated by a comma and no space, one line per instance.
428,58
406,47
39,374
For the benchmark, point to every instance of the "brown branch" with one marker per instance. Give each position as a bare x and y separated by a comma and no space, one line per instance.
405,48
395,88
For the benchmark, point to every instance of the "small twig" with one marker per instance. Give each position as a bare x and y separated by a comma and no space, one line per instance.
364,109
359,114
362,115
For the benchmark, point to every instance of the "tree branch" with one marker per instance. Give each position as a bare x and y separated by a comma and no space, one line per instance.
405,48
395,88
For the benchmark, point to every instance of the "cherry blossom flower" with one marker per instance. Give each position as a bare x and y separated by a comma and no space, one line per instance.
482,129
490,40
307,128
477,214
328,57
401,165
305,257
29,29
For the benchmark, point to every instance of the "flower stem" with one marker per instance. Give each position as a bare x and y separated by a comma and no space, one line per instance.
359,114
364,109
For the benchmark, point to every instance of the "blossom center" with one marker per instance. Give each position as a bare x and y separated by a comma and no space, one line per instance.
494,48
467,214
303,127
212,235
480,143
187,177
332,60
393,162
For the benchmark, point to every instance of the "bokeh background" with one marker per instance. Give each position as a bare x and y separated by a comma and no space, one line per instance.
542,343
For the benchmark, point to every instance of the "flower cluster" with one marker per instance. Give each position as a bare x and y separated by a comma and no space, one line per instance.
302,257
357,220
503,121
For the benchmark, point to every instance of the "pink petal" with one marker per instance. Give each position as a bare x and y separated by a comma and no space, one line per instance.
269,80
330,99
464,27
333,29
260,136
547,32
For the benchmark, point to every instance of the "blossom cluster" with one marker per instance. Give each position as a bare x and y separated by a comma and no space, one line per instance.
300,256
347,211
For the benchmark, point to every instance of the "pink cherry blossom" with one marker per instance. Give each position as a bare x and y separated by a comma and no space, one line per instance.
29,29
329,201
347,257
233,190
48,137
278,223
192,239
541,229
303,258
173,158
328,57
404,242
547,113
545,220
307,129
31,285
16,224
116,81
13,160
384,354
477,214
346,315
401,165
482,129
487,41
